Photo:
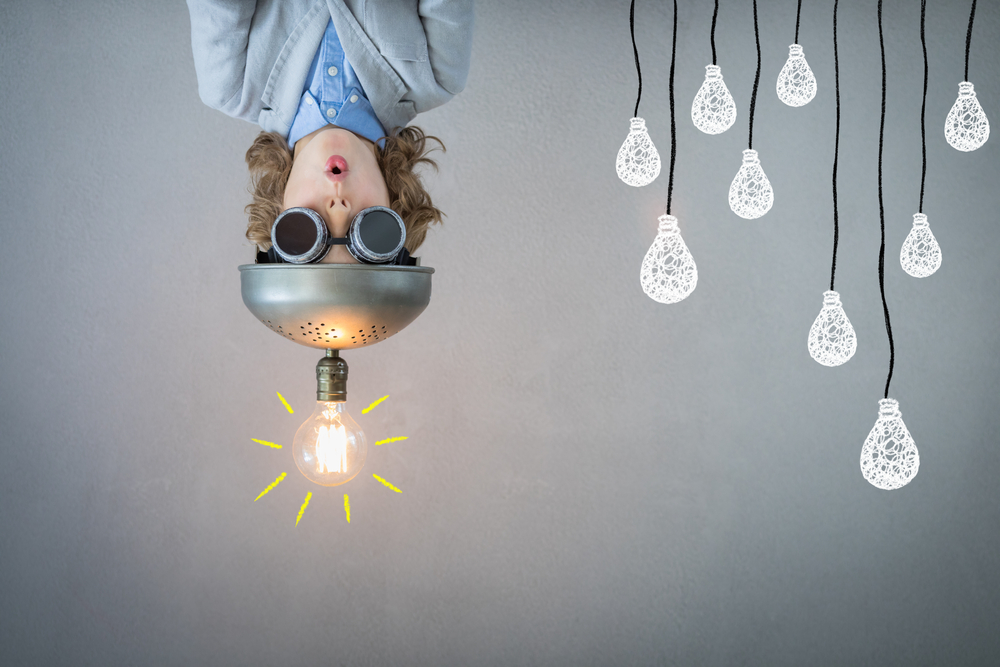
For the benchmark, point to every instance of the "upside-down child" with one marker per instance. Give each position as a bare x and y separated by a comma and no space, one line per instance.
333,84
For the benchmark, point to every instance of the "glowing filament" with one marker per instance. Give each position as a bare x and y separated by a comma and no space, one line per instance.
331,449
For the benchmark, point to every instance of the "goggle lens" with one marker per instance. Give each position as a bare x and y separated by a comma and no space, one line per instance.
380,232
295,233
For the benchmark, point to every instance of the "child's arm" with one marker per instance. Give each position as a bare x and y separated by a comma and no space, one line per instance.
220,31
448,27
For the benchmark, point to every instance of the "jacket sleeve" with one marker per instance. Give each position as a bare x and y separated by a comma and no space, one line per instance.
448,27
220,32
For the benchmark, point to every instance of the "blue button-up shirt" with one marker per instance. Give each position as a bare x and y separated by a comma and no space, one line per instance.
334,96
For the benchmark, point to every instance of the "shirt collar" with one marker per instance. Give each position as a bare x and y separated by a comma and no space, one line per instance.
355,115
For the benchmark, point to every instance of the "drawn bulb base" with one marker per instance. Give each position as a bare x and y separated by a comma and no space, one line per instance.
750,195
889,457
966,128
668,273
713,110
638,163
920,255
796,82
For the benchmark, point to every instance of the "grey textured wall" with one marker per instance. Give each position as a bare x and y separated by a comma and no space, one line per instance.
590,478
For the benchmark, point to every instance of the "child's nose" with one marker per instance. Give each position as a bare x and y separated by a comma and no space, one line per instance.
338,213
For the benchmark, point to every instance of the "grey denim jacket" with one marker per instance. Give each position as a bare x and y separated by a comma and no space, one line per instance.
252,58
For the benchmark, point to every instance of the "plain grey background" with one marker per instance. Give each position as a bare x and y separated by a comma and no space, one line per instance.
590,478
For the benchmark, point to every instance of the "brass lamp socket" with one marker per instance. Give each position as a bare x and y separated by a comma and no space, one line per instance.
331,378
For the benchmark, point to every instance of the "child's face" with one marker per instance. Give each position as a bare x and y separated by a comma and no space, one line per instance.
335,173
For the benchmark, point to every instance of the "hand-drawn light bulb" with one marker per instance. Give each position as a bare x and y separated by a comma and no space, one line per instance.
638,162
713,110
330,448
668,272
831,338
966,127
920,255
889,457
796,82
750,195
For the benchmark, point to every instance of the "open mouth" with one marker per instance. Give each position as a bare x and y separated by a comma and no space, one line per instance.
336,165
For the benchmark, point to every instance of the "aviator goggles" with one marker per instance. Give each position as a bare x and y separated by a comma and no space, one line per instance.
375,236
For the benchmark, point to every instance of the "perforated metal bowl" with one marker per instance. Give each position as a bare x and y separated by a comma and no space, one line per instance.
335,306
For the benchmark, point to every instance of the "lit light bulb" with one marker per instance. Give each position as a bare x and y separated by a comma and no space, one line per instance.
889,458
329,448
750,195
713,110
966,127
921,254
796,82
831,339
668,272
638,162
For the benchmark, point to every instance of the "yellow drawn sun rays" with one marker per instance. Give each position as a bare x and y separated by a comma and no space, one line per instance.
305,503
271,486
302,510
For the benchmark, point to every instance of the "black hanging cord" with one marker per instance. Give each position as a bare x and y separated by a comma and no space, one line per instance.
923,107
715,16
968,39
673,125
798,14
836,145
756,80
881,210
631,25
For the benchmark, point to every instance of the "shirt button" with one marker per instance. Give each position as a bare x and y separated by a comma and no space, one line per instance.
330,113
332,71
309,101
354,98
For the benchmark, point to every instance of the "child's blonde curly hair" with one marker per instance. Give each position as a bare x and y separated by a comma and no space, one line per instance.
270,162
